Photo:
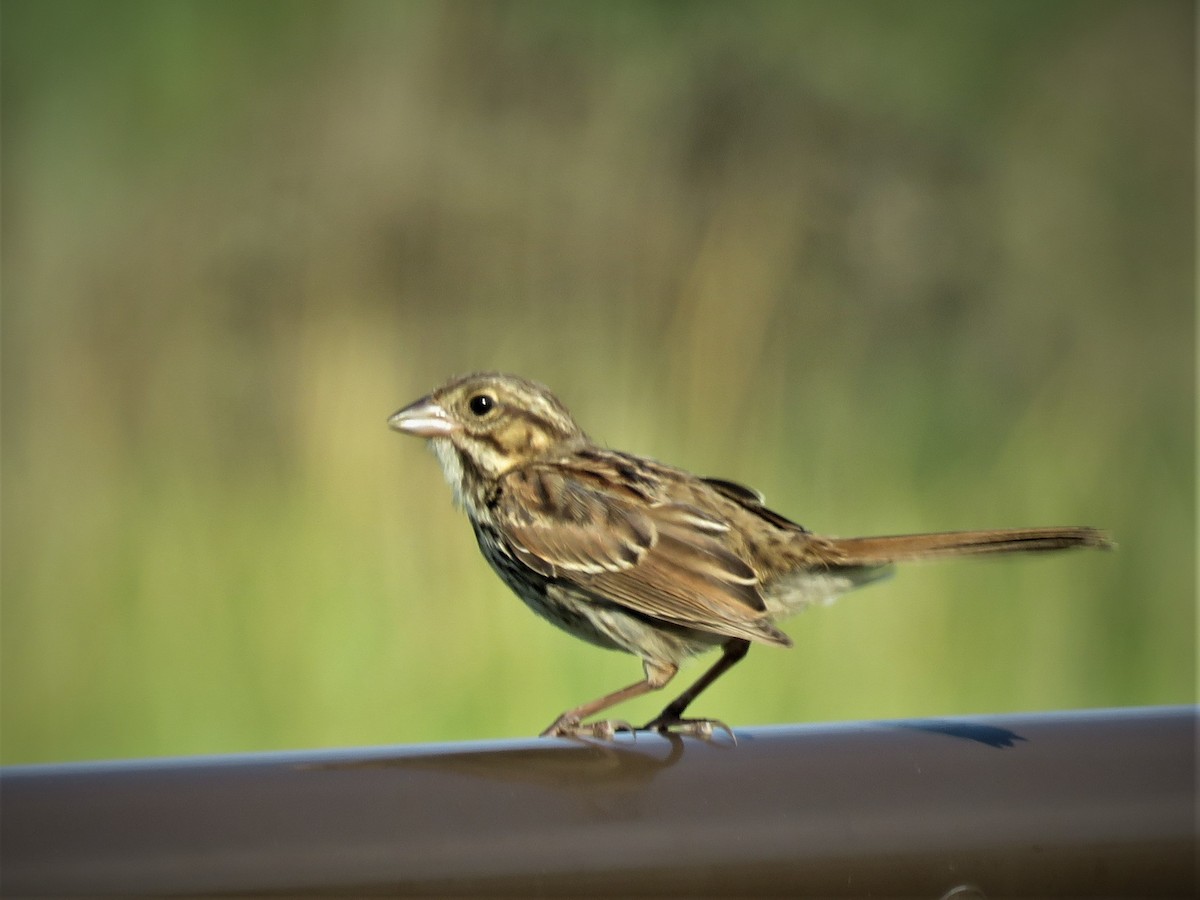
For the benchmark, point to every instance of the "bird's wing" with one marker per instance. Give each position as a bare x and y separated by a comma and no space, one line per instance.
752,501
665,560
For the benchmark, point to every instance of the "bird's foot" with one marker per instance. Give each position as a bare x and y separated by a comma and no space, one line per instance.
570,726
701,728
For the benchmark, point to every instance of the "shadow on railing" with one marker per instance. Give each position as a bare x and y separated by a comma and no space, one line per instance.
1083,803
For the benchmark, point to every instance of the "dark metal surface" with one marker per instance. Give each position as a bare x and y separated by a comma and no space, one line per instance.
1081,803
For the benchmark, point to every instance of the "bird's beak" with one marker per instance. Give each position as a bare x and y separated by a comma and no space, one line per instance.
423,418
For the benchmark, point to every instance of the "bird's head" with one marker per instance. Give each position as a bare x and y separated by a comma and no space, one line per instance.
483,425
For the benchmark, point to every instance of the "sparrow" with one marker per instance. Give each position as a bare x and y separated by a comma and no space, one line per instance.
631,554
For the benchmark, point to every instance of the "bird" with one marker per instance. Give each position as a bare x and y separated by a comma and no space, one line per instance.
631,554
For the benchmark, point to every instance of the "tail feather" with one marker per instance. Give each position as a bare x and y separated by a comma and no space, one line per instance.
908,547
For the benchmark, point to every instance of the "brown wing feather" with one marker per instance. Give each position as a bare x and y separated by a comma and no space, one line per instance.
752,501
664,560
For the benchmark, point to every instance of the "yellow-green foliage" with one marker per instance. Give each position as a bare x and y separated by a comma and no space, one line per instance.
902,267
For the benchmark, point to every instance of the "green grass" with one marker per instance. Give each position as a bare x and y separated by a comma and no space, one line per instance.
925,273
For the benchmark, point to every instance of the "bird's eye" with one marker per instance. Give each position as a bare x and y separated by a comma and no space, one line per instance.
481,404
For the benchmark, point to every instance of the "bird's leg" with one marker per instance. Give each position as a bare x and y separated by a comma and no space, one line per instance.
571,724
731,654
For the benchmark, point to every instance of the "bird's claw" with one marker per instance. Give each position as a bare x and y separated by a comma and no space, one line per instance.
701,728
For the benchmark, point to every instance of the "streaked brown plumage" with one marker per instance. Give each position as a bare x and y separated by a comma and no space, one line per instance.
634,555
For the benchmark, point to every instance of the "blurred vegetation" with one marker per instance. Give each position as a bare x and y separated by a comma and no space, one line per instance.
901,266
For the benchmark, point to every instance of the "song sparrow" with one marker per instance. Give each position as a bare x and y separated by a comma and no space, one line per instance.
634,555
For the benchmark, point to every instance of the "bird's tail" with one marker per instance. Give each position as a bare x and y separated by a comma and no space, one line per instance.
871,551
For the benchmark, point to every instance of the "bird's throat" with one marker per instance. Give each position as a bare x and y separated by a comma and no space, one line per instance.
452,466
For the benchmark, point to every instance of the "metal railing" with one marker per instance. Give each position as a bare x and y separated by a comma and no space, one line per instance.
1081,803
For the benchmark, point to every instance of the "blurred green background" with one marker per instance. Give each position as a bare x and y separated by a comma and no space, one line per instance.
901,266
